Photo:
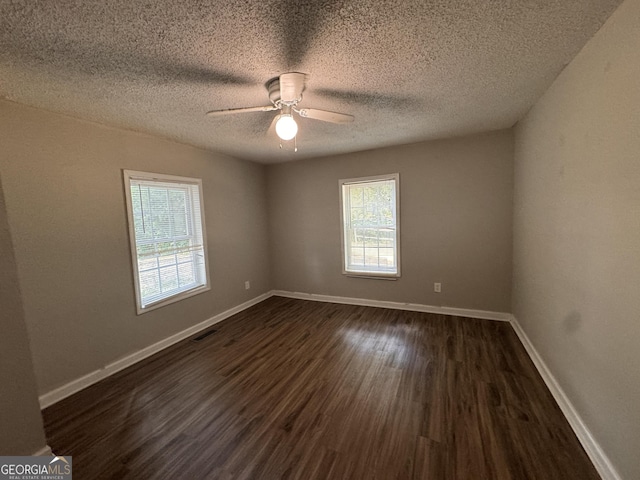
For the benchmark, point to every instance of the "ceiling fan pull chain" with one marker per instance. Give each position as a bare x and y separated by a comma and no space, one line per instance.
295,144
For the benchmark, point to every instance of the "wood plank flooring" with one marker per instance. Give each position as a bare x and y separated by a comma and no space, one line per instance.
292,389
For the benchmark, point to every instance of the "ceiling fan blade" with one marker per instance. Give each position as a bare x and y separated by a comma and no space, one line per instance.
291,86
229,111
325,115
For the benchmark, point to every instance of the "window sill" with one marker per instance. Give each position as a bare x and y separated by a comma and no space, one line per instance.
174,298
372,276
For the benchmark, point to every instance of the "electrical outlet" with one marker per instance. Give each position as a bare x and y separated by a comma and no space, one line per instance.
247,285
437,287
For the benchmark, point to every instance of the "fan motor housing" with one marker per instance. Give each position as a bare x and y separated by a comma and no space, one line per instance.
274,91
274,94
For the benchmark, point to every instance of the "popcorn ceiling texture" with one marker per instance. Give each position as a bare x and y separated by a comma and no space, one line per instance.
408,70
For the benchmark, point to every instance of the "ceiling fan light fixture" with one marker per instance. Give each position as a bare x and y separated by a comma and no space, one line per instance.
286,127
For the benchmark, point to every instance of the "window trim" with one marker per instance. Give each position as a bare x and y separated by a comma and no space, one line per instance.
129,175
371,275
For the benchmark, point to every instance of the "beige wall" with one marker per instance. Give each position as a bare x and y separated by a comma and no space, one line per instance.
66,209
577,234
21,431
456,214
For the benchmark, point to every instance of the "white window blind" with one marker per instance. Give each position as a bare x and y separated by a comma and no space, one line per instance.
370,226
166,226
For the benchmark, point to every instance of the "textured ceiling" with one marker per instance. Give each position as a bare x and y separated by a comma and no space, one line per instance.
408,70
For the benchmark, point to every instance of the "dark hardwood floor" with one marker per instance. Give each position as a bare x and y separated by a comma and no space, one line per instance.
306,390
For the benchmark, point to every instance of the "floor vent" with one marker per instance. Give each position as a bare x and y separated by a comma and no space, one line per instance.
204,335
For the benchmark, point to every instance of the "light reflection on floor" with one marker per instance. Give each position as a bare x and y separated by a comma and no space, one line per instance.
390,346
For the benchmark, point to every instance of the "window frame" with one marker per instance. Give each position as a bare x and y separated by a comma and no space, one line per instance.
343,230
128,176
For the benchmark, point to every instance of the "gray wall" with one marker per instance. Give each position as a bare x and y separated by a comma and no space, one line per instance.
66,209
456,214
577,234
21,431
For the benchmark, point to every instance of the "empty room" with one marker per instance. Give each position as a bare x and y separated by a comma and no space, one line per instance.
279,239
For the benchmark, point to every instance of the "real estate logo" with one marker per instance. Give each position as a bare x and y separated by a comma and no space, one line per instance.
35,468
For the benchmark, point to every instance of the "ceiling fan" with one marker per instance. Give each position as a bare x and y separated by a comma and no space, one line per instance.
285,92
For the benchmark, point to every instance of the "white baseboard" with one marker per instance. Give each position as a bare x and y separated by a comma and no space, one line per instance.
43,452
600,460
414,307
78,384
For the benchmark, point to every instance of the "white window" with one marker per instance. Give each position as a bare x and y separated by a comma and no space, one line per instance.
168,244
370,226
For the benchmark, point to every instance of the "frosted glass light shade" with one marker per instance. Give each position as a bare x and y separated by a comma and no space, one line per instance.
286,127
